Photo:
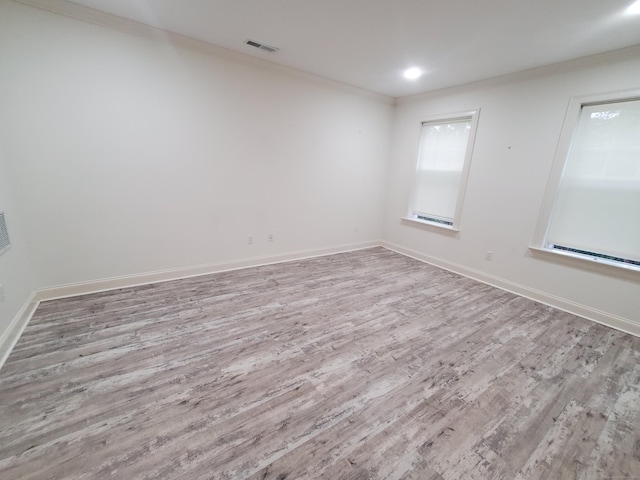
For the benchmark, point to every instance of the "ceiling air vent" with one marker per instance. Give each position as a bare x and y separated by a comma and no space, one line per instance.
262,46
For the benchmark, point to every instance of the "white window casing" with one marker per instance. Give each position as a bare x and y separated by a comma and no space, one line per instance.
591,210
444,157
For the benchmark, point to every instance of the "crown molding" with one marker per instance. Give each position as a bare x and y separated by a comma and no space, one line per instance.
613,56
113,22
131,27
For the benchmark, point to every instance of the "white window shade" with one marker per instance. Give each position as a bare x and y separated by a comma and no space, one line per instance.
443,150
597,207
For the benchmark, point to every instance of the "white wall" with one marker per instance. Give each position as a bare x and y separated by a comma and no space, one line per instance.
122,155
519,127
16,273
130,155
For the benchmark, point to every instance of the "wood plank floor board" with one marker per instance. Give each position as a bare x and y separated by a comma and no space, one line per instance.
363,365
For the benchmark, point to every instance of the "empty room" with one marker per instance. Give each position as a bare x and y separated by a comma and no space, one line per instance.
337,239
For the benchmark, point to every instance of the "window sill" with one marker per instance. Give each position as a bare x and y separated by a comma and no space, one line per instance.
619,270
439,227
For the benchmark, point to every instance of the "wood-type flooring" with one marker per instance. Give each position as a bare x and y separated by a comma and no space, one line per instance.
360,365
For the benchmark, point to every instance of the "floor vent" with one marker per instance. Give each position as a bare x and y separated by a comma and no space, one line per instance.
4,235
262,46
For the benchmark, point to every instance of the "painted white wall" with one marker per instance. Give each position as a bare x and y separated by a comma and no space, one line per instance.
518,130
17,276
130,155
122,155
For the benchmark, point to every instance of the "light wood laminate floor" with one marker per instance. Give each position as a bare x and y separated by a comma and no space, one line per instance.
362,365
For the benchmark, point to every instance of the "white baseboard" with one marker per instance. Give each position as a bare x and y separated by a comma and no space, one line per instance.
598,316
95,286
10,336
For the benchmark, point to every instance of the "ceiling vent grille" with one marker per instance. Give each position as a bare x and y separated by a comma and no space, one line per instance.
261,46
4,235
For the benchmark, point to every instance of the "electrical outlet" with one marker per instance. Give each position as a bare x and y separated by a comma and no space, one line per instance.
250,240
1,294
270,237
356,229
488,256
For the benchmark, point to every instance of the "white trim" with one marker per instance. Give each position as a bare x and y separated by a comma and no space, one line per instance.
126,281
471,116
619,323
113,22
567,132
425,223
464,180
12,334
569,125
606,58
131,27
603,266
454,117
562,148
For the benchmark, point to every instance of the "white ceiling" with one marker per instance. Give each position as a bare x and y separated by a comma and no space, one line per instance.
368,43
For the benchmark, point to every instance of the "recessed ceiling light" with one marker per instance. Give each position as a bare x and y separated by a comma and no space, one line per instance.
413,73
634,8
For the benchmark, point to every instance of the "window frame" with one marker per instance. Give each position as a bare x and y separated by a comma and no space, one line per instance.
540,246
468,115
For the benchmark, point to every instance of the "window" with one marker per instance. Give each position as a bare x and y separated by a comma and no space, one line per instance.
441,173
594,212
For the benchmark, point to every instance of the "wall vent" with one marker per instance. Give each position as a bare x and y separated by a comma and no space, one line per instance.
4,235
262,46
